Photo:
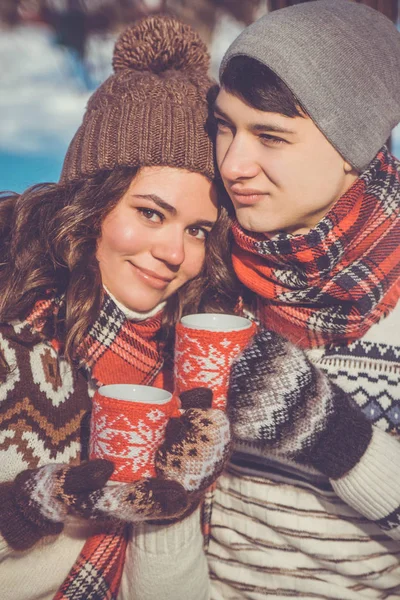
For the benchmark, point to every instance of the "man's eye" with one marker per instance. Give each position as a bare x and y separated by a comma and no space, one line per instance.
222,124
271,139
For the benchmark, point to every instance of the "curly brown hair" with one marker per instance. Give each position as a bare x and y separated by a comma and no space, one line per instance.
48,242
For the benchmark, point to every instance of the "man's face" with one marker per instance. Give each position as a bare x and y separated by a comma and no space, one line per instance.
280,172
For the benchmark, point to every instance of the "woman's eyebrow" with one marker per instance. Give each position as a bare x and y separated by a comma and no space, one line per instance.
172,210
157,200
204,223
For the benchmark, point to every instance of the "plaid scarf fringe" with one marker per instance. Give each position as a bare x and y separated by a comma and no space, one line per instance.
96,575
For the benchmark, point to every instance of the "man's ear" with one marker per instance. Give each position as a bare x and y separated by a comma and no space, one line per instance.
349,169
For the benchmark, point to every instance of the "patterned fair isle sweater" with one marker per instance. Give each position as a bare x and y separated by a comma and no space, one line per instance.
44,410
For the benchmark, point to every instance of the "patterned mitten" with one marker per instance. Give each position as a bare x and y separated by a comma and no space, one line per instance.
143,500
193,454
279,402
197,444
37,502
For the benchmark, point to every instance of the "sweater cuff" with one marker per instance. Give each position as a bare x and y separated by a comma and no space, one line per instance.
372,487
166,539
344,440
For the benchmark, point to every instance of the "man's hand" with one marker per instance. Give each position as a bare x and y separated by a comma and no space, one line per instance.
279,402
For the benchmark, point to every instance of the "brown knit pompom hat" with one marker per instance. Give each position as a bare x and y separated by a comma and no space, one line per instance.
153,110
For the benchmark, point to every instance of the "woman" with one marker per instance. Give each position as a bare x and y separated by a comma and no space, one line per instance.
96,270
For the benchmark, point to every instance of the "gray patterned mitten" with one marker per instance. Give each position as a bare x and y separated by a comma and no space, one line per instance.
279,402
38,501
152,499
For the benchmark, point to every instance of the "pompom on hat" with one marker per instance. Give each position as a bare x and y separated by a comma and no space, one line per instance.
153,110
341,60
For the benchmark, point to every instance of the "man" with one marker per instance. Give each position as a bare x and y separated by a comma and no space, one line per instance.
310,504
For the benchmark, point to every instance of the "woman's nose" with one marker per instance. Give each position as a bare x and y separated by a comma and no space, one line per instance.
169,248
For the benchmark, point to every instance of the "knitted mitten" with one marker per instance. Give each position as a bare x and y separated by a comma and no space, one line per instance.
37,502
193,454
282,404
146,499
197,444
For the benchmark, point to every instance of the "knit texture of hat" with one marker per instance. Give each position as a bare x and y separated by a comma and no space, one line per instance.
341,60
153,110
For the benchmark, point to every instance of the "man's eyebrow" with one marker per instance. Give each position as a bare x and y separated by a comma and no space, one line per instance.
157,200
260,127
218,110
257,127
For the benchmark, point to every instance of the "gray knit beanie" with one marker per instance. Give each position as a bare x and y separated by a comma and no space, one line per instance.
341,60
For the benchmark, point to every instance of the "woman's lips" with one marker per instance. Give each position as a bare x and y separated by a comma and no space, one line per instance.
153,279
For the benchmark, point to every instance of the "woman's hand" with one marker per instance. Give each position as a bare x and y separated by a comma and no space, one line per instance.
197,444
38,501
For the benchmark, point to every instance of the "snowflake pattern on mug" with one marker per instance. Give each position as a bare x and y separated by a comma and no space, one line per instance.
203,358
128,435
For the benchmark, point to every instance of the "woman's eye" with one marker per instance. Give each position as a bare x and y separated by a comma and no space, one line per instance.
198,232
151,215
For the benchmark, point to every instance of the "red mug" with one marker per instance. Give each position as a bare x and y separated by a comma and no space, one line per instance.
205,346
128,425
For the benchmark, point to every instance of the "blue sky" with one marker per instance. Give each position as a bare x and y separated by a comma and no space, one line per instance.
42,101
43,98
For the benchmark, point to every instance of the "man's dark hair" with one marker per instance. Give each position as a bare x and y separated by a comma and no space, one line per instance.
257,85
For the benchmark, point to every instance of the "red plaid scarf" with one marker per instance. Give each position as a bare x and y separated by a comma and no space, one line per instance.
115,350
332,284
96,575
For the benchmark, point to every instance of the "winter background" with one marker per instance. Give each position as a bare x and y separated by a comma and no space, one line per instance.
43,94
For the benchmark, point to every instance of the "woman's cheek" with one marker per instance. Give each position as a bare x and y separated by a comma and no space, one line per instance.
196,261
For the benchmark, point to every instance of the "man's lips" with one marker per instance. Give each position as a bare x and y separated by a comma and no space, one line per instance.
246,196
152,278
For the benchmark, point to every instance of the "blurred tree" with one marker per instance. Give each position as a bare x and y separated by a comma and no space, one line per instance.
74,21
203,14
9,12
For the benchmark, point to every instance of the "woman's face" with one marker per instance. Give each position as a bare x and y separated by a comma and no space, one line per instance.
154,240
